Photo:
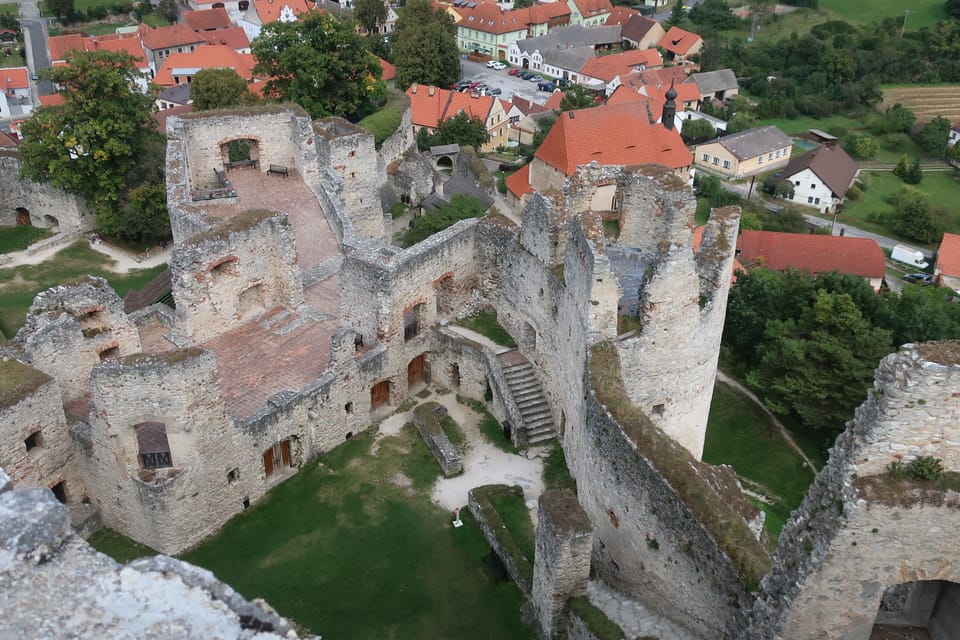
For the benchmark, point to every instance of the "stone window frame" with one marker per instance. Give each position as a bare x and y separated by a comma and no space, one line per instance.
153,446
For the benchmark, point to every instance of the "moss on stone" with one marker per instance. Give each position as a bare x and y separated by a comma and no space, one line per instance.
173,356
242,222
503,508
680,469
596,620
17,381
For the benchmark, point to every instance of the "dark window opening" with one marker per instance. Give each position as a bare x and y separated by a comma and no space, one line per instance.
348,407
152,445
348,436
658,409
455,375
411,322
233,475
246,503
109,353
33,441
60,491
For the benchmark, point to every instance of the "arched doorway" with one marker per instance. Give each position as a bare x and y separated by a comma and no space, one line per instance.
23,217
240,152
417,372
52,223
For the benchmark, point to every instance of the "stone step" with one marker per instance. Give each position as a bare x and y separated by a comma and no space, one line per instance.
290,327
525,385
274,319
532,425
529,399
538,418
518,371
546,437
540,431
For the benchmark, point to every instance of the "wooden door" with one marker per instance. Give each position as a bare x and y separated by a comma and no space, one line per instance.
285,453
417,371
380,395
268,462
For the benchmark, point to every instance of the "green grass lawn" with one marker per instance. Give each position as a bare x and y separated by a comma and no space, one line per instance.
485,323
868,212
923,13
347,553
118,546
740,434
20,237
19,285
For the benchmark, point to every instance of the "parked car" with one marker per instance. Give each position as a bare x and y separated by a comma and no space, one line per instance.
526,75
496,91
475,84
546,86
535,78
514,72
563,83
499,66
492,64
919,278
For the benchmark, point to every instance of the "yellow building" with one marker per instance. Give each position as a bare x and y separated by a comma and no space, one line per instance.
746,153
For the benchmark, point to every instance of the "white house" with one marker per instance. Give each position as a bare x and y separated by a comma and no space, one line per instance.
821,177
954,134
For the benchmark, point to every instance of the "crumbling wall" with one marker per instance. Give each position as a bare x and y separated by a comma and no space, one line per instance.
859,531
56,585
223,277
401,141
71,328
46,205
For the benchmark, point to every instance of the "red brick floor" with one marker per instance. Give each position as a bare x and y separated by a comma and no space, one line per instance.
325,296
316,241
152,338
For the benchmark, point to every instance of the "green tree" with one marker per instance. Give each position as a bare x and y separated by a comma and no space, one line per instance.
865,147
952,7
897,118
678,14
463,130
219,88
425,46
901,169
914,173
741,122
370,14
168,9
934,135
714,14
819,366
696,131
576,97
145,204
320,63
953,154
839,65
60,8
90,143
461,207
912,217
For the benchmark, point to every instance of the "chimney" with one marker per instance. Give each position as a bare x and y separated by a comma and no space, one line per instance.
669,108
413,88
433,90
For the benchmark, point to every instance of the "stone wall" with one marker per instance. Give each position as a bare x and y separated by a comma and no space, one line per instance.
56,585
34,446
497,536
401,141
858,531
224,277
426,418
70,329
46,205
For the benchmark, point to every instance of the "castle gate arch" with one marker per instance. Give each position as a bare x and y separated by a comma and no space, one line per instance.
23,217
417,372
240,151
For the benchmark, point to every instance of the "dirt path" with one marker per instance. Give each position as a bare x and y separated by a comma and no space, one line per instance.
124,262
727,380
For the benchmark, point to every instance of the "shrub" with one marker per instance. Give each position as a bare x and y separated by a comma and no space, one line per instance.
925,468
382,124
854,192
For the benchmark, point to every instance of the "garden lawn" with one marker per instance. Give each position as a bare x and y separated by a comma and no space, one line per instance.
118,546
485,323
19,285
348,553
20,237
869,211
923,13
795,126
740,434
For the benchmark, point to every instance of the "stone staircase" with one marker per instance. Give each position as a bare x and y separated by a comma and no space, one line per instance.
528,395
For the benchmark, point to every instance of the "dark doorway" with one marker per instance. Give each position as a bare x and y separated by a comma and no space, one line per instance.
23,217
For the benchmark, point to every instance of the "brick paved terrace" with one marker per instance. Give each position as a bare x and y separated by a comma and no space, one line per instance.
316,241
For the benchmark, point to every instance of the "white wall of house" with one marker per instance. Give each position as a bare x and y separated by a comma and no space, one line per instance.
954,137
809,190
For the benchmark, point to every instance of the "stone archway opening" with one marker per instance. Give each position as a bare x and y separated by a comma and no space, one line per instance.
52,223
240,152
23,217
922,609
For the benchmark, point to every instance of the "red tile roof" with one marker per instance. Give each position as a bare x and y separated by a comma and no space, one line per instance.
518,182
553,102
812,253
52,100
175,35
213,56
59,45
611,135
128,42
206,20
427,105
14,78
677,41
473,106
389,71
591,8
608,67
234,37
269,10
948,256
527,107
160,117
488,17
542,12
7,142
619,15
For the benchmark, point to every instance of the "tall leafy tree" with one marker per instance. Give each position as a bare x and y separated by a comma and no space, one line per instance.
60,8
370,14
934,135
677,14
90,143
576,97
321,64
425,49
219,88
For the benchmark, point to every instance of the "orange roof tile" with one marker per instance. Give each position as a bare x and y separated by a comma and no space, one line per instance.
59,45
473,106
608,67
488,17
234,37
127,45
175,35
677,41
553,102
52,100
7,142
14,78
611,135
269,10
208,19
619,15
427,105
389,71
948,256
813,253
590,8
212,56
543,12
518,182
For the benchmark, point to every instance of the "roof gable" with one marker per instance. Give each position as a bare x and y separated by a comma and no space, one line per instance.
14,78
212,56
427,105
233,37
270,10
207,20
813,253
637,27
608,67
753,142
678,41
175,35
948,256
831,164
592,8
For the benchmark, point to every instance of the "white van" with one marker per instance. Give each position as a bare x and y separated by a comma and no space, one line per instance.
906,255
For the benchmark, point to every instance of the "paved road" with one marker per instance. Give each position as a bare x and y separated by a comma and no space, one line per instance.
35,41
509,85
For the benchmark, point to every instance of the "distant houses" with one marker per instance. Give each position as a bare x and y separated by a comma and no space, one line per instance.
746,153
821,177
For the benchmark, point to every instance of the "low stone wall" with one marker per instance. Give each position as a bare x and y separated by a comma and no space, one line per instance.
499,539
426,418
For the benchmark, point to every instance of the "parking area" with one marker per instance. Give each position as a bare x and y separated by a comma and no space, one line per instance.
509,85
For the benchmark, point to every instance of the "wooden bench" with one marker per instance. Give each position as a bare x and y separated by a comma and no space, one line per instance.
279,169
